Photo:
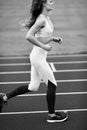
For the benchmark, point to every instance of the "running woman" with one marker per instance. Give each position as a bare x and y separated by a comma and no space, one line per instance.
40,34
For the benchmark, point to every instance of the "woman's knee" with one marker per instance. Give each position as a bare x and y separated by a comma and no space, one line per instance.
53,82
33,88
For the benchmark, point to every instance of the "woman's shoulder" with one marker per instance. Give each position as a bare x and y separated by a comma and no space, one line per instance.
41,19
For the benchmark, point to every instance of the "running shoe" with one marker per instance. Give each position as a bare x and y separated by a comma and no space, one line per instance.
2,101
59,117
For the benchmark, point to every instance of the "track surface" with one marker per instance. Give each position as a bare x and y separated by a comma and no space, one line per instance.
29,112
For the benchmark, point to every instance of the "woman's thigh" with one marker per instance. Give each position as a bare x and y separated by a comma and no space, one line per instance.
46,72
35,79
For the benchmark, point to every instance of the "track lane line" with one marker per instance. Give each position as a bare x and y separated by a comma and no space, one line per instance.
26,64
41,112
58,94
27,57
52,66
58,81
71,62
15,64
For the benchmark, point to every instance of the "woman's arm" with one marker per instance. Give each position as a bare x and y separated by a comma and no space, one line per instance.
47,40
31,34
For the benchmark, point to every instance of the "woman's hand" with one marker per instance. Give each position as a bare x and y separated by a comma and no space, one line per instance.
57,39
47,47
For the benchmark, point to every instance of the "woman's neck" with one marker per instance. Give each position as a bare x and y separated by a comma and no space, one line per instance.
45,12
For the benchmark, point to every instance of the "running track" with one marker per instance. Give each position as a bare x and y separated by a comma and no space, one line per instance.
28,112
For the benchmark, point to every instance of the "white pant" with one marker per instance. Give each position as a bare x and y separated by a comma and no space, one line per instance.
40,69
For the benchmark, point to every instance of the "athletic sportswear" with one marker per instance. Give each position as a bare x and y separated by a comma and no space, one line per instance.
40,69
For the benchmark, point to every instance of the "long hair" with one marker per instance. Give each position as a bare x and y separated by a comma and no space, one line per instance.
35,11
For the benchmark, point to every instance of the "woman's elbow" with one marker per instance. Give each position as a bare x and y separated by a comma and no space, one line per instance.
27,37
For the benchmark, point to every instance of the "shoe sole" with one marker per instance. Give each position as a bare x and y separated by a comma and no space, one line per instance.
53,121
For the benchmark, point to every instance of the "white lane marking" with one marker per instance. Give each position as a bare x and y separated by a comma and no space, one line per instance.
71,62
58,94
13,57
41,112
23,64
58,81
53,68
15,64
24,57
15,72
19,82
69,55
72,70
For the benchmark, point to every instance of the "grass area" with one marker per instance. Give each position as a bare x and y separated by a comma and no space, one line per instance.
69,18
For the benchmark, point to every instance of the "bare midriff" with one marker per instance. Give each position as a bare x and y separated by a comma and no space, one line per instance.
44,40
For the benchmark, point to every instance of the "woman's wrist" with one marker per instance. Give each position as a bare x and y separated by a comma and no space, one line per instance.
52,38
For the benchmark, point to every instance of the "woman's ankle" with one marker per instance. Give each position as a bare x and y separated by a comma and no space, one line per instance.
52,115
5,98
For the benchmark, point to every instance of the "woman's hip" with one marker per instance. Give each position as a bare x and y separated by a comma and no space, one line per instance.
38,54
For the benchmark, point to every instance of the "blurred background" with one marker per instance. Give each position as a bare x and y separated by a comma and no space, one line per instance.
69,18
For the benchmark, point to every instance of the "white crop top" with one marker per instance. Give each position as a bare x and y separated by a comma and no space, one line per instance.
47,30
